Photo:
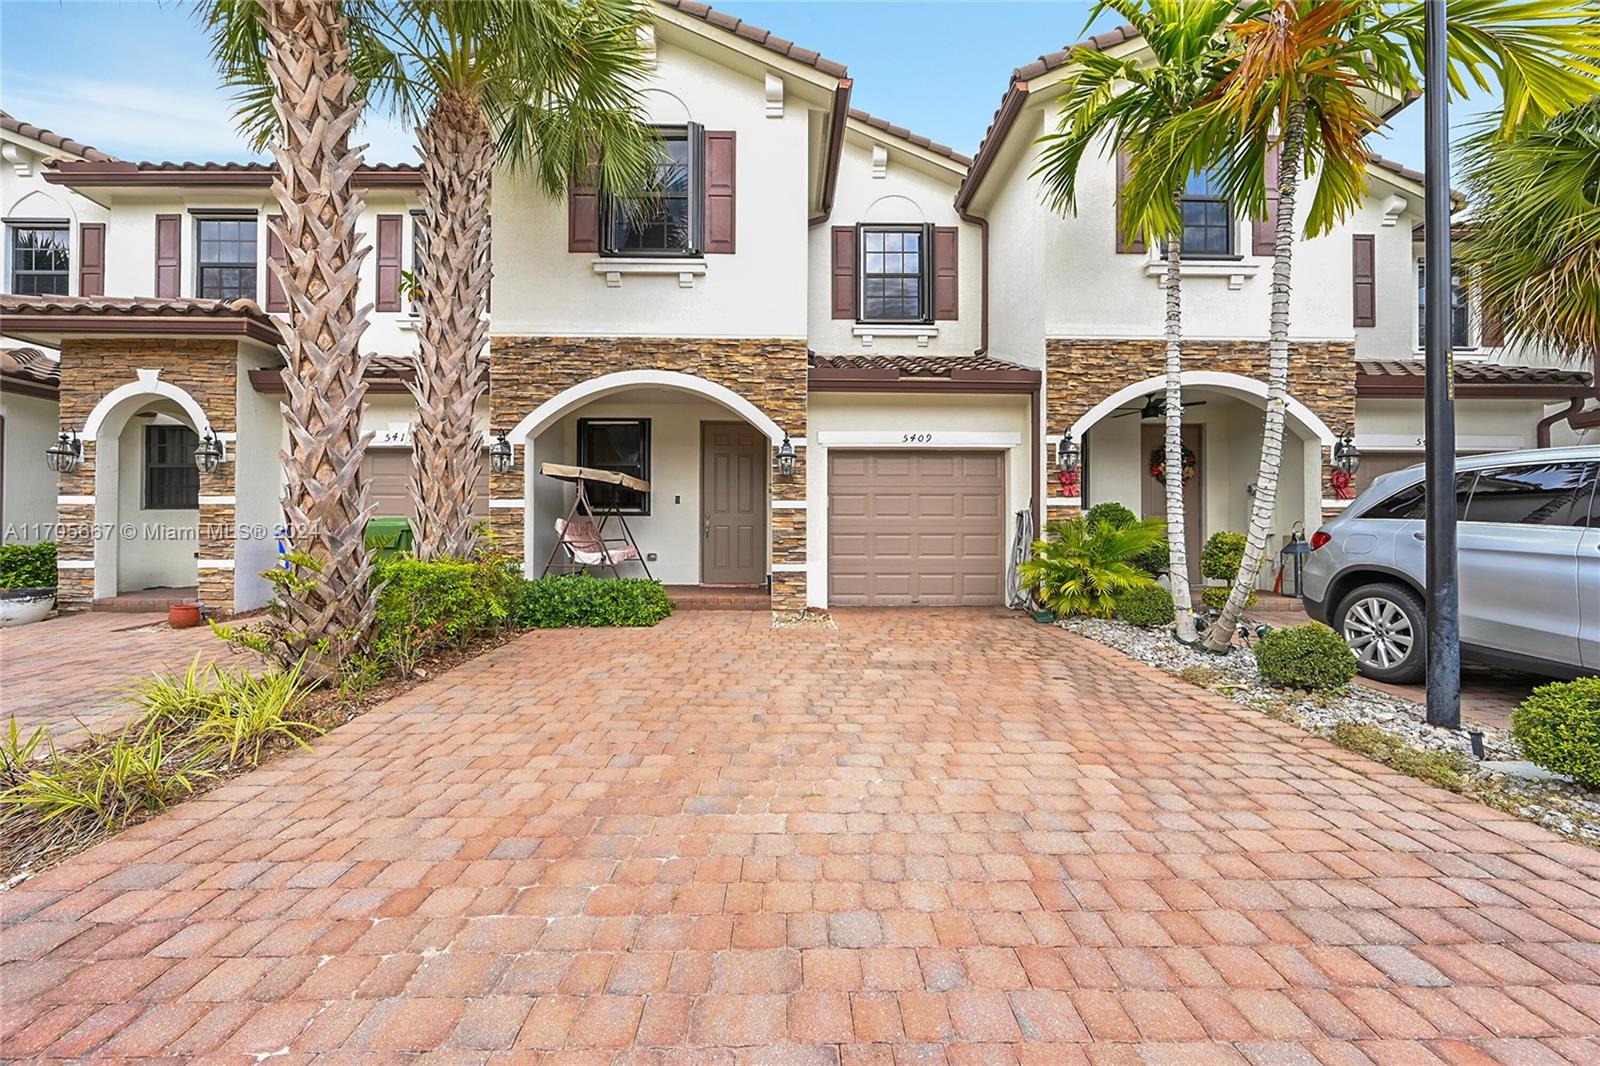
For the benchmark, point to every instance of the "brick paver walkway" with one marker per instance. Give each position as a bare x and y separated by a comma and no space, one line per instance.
69,673
924,837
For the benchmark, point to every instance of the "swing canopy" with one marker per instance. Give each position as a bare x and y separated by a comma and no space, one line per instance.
581,535
588,473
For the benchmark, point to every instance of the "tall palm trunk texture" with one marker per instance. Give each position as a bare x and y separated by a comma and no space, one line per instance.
1220,635
457,167
1177,545
330,608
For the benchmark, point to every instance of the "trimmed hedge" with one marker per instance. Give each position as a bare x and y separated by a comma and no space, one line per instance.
427,606
578,600
1558,727
1222,556
28,566
1311,657
1146,607
1112,512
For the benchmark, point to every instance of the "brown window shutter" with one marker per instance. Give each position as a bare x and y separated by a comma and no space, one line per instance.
844,272
946,272
169,244
583,216
1125,246
277,299
1492,330
92,259
1264,231
389,230
720,170
1364,280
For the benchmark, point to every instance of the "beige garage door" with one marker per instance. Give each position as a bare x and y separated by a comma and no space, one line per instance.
912,528
389,479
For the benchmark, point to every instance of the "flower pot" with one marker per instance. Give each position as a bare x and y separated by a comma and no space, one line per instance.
1044,617
18,607
183,615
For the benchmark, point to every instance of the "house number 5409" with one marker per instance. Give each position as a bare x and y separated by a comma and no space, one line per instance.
916,438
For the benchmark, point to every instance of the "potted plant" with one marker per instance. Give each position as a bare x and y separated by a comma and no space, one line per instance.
27,582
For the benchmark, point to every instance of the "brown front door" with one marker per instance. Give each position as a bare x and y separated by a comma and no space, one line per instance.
1155,493
733,504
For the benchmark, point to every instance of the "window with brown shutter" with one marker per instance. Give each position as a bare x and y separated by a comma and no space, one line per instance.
1491,330
844,272
1125,245
583,215
169,240
1264,231
277,299
946,272
1364,281
720,172
92,259
389,262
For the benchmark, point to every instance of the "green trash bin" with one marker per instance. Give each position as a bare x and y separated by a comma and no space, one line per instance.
389,536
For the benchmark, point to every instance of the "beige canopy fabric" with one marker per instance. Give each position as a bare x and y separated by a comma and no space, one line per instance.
589,473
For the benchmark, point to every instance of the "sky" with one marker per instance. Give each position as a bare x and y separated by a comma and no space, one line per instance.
140,87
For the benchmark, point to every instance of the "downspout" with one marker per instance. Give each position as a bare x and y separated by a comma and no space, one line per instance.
1574,414
983,258
835,148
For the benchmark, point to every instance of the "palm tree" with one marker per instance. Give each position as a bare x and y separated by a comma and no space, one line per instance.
1301,75
301,50
1123,103
551,86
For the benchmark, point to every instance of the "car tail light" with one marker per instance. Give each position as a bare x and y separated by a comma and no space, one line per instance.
1319,538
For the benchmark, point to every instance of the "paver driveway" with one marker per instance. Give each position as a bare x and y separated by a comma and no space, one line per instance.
923,837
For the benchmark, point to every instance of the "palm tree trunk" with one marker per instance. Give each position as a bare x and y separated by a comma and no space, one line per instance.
457,168
1220,635
1177,545
329,608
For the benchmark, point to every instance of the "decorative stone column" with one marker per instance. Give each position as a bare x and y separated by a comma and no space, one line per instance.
789,533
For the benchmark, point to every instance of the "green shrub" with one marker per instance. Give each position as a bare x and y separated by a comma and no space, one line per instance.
1147,606
1222,556
1081,567
1217,595
425,607
565,601
1558,727
28,566
1156,560
1114,513
1311,657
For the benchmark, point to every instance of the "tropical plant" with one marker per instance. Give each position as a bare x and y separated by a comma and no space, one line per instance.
1122,103
304,107
1532,247
1301,73
248,712
1081,568
1156,561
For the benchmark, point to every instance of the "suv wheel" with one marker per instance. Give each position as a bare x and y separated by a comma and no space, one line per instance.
1385,626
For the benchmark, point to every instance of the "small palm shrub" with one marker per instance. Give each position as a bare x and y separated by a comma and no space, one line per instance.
1156,560
1558,727
1082,566
1311,657
1148,606
28,566
565,601
1220,560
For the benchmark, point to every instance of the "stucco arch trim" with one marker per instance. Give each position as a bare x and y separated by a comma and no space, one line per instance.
147,385
541,417
1301,419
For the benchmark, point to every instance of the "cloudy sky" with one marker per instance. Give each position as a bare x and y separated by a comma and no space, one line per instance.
138,84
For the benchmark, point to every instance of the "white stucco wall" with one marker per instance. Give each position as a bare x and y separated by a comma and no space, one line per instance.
1481,425
161,551
258,484
911,190
1018,225
759,291
895,414
29,485
26,197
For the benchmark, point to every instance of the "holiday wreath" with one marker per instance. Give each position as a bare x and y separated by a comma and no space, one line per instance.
1158,464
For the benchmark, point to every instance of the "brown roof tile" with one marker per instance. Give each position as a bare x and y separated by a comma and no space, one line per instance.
54,140
117,172
913,366
1477,373
906,135
12,304
755,34
30,364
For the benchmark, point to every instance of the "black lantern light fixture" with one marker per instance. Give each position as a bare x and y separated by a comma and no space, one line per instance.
208,456
1346,456
1067,453
500,454
65,454
786,457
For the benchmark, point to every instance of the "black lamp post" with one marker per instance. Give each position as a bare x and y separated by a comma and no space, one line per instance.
64,455
500,454
208,456
786,457
1444,633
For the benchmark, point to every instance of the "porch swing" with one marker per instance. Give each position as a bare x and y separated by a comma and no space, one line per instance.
580,536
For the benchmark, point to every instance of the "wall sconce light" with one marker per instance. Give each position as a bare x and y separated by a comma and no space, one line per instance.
1067,453
786,457
1346,456
208,456
65,454
501,456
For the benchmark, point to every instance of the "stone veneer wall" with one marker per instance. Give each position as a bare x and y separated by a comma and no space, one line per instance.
524,372
92,367
1081,373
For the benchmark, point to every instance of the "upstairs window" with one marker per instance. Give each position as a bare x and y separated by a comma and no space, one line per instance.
896,262
1207,218
1460,310
622,445
171,480
665,221
39,260
226,257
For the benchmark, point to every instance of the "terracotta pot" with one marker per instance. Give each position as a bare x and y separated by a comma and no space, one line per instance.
183,615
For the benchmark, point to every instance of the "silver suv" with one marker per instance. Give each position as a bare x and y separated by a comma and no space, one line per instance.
1528,538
